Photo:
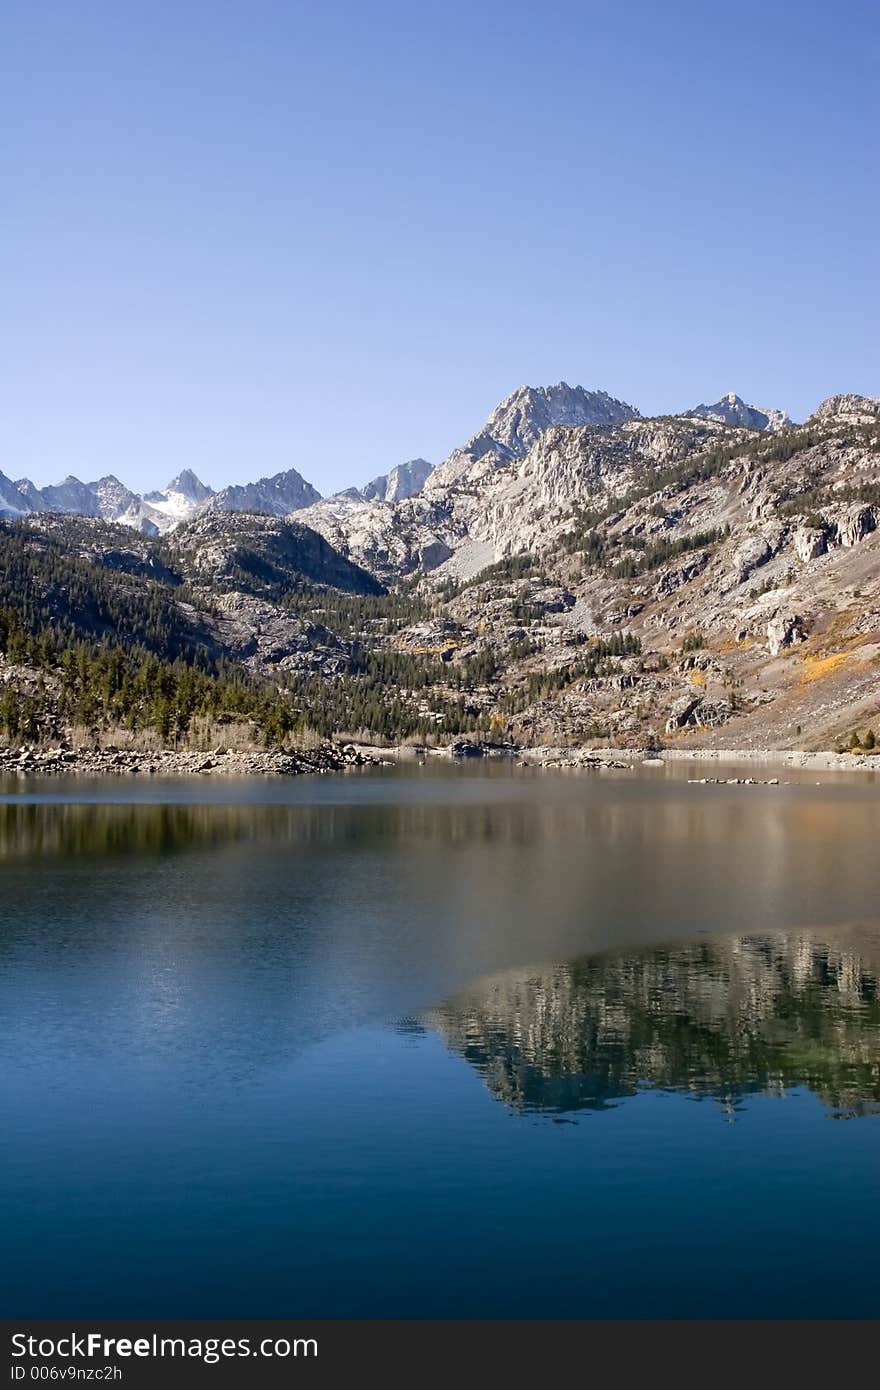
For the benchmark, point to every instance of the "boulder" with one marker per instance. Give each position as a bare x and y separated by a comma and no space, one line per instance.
683,712
675,578
464,748
810,542
784,630
754,552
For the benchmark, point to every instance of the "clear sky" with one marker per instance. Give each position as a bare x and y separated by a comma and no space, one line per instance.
248,235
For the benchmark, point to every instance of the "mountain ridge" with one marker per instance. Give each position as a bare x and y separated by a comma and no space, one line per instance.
677,579
508,433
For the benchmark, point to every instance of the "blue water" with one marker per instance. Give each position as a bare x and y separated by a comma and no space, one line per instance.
440,1044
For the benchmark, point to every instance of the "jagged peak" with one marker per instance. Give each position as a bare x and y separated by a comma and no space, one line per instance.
731,409
517,422
405,480
187,483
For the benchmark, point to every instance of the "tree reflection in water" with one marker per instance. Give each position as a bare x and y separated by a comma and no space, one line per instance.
717,1019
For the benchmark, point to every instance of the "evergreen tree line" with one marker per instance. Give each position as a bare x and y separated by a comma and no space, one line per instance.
660,552
53,591
103,685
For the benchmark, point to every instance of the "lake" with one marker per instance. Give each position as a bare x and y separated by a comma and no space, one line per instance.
440,1042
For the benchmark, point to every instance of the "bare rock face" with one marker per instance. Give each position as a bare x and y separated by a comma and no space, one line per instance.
500,507
487,496
519,421
682,712
680,575
70,496
265,639
784,630
848,409
855,523
406,480
754,552
810,543
182,497
434,553
14,502
697,712
276,496
388,540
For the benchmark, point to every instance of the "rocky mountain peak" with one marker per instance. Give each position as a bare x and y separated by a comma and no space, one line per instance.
112,497
13,501
731,409
177,502
188,485
406,480
518,422
523,416
849,408
276,496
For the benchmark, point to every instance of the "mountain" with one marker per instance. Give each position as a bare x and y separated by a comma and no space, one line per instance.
108,497
276,496
851,409
522,417
404,481
684,579
732,410
155,512
745,562
250,579
29,494
520,420
70,496
513,428
13,502
181,498
112,498
425,529
264,555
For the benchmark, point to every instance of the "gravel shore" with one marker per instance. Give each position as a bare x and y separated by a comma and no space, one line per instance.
769,758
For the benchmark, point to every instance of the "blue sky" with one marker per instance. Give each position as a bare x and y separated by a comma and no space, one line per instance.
330,236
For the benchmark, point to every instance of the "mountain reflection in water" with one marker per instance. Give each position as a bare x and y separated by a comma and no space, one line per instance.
720,1019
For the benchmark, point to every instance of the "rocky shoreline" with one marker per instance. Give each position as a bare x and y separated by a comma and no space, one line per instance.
171,762
792,759
33,761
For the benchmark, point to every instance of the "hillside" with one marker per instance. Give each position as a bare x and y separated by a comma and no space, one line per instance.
620,580
742,561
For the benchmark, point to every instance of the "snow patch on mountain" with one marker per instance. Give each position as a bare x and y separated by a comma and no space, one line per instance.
181,499
13,503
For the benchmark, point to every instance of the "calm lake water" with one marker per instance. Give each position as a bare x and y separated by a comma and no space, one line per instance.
440,1042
